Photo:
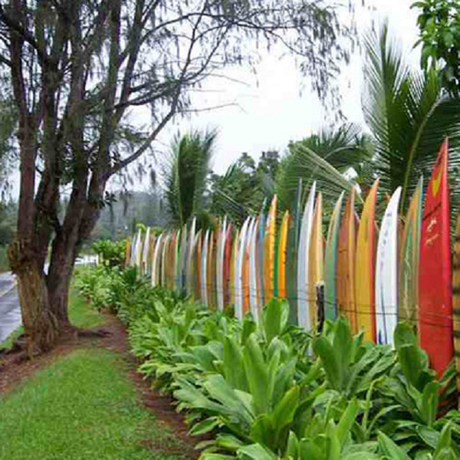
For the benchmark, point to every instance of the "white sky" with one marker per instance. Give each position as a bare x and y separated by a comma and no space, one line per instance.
271,111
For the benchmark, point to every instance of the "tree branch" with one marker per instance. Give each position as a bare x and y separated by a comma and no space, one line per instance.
16,26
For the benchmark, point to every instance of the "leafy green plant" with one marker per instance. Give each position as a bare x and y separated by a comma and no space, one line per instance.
111,253
268,390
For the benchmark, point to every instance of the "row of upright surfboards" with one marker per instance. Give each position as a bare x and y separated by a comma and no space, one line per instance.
374,277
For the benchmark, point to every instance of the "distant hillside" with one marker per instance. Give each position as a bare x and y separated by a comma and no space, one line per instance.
119,219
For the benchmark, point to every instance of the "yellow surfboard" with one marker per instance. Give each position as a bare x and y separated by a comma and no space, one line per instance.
282,256
366,246
316,259
128,252
346,264
269,251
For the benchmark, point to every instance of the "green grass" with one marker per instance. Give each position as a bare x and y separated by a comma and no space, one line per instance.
81,407
81,314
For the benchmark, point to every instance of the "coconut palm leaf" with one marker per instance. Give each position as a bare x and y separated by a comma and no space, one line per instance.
226,191
408,115
186,174
331,158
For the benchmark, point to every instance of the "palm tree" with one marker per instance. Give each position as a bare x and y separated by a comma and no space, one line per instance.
338,154
408,115
186,175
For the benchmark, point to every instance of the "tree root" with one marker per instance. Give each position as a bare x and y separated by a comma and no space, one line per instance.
100,333
20,344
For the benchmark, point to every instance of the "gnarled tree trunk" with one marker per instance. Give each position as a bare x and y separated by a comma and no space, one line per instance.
41,325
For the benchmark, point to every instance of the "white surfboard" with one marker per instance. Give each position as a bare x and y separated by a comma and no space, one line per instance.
386,276
156,261
195,287
189,253
303,311
139,249
253,295
220,265
239,270
204,269
145,251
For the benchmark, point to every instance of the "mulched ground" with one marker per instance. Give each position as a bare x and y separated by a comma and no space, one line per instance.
14,369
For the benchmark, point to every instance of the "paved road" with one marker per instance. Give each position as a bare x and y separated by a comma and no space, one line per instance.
10,313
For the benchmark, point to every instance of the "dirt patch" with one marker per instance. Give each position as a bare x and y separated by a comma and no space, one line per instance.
14,369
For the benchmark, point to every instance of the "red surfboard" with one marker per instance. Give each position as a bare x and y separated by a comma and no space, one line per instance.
435,276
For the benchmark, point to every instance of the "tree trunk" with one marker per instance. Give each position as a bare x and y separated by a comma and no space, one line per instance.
60,275
41,326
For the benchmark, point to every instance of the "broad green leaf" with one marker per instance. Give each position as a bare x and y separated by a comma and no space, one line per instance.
429,435
408,354
346,422
229,442
263,431
211,456
275,317
219,389
430,400
283,378
256,452
333,442
292,446
360,456
391,450
249,327
284,411
257,375
233,364
309,451
324,350
443,448
204,426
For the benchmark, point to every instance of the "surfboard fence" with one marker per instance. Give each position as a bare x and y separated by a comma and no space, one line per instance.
375,278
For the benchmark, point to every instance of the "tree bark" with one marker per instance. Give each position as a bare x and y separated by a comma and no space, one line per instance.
41,326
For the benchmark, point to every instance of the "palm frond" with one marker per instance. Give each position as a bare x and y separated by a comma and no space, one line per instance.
408,115
185,175
331,158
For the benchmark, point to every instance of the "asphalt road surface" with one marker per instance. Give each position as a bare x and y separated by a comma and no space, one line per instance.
10,313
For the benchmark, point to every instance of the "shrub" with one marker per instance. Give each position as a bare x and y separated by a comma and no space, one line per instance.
111,254
263,394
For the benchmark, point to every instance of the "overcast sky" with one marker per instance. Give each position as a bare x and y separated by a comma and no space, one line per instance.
271,110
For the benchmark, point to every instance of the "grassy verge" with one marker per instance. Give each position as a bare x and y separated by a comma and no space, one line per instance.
81,314
82,407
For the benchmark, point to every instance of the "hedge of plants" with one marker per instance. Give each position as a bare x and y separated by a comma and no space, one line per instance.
269,390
